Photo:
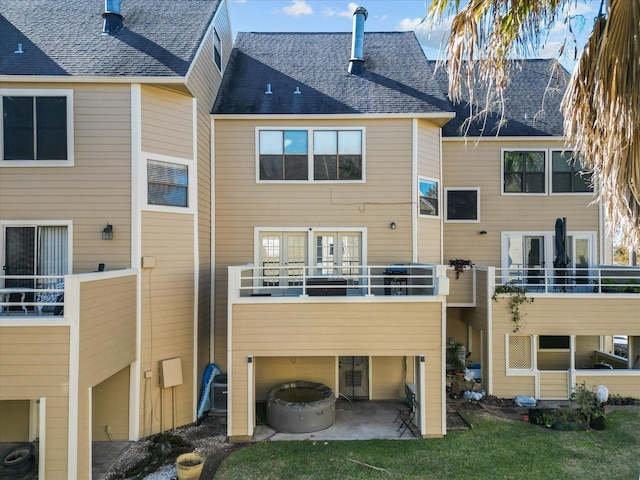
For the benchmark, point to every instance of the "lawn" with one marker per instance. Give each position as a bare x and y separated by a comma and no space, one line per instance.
493,449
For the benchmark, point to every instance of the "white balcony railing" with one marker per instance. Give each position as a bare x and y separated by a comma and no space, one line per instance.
602,279
326,280
31,294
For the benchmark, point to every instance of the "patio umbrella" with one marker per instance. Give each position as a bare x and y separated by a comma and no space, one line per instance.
561,259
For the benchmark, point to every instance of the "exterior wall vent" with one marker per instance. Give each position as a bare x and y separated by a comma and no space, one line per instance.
356,63
113,20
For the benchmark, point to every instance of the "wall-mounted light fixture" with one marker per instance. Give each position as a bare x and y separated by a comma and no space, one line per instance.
392,225
107,232
482,232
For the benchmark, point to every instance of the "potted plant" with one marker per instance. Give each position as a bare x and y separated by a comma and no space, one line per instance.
458,264
456,356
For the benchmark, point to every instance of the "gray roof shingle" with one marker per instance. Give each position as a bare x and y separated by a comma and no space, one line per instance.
532,103
63,37
397,78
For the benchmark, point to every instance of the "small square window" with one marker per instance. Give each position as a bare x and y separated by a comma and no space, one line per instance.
168,184
429,194
568,175
462,204
524,171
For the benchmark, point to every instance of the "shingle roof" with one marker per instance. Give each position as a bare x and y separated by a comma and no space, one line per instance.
532,103
63,37
397,78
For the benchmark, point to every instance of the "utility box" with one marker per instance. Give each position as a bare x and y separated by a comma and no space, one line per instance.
219,394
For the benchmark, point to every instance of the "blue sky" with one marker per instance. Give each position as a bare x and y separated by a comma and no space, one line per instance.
384,15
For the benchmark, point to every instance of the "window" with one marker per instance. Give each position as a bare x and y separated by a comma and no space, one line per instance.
167,184
337,253
217,57
285,155
462,204
337,155
568,176
37,126
428,191
524,171
553,342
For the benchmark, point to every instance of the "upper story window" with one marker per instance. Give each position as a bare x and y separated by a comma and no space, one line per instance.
167,184
217,50
462,204
37,127
568,176
524,171
285,155
429,195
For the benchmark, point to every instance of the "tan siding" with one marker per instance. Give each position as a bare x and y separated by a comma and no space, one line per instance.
95,191
554,385
110,406
14,420
478,165
20,382
461,288
625,386
167,122
242,203
429,229
168,310
389,377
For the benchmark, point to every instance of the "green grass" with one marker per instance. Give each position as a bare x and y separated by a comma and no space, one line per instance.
494,449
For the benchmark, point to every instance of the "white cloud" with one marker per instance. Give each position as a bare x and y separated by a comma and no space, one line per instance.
297,8
348,12
430,35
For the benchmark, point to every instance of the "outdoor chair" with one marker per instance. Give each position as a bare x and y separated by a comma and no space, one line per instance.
407,413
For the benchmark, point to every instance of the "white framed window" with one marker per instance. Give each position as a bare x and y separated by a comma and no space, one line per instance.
428,197
167,184
37,127
310,155
524,171
568,175
462,204
554,342
217,50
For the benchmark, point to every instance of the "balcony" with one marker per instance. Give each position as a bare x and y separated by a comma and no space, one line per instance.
28,295
345,281
603,279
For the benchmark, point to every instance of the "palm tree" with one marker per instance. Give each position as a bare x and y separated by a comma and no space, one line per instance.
601,105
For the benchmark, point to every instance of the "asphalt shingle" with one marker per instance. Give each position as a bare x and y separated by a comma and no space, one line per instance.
64,37
397,78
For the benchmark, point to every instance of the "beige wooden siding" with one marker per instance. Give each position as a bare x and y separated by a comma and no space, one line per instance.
625,386
479,165
167,122
332,329
204,81
461,288
110,407
585,346
273,371
242,204
554,385
14,420
34,363
167,312
93,192
389,376
429,229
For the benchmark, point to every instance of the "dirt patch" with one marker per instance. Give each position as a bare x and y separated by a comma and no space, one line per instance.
154,457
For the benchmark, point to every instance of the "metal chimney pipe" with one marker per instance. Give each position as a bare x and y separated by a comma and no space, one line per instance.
113,20
356,63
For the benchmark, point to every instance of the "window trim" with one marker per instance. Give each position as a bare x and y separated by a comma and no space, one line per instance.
218,49
550,176
439,183
446,204
310,141
546,171
191,188
44,92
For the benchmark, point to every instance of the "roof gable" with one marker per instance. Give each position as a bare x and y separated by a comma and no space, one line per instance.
63,37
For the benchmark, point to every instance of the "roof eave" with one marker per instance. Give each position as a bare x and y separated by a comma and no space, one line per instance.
439,118
177,80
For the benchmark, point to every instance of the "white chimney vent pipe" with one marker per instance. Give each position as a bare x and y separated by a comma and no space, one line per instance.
356,63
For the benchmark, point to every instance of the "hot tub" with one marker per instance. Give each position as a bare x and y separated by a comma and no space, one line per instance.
301,407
